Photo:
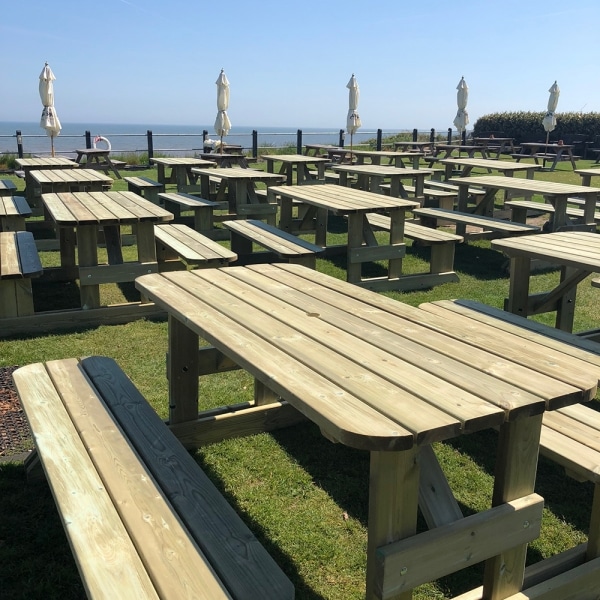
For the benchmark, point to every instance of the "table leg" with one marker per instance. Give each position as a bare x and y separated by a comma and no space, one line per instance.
518,295
396,237
393,502
181,178
182,372
565,310
87,248
112,238
516,466
355,236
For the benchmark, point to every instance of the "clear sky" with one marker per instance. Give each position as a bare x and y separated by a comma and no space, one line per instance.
156,62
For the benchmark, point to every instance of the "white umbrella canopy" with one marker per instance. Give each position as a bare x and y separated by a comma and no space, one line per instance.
462,116
549,120
353,121
49,121
222,123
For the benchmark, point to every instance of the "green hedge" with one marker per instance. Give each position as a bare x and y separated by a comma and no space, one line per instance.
527,126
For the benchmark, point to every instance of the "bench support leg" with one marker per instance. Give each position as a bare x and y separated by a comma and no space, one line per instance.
593,546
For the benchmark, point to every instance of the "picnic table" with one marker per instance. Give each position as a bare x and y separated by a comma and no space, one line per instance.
381,376
557,194
395,158
547,153
237,186
576,253
181,171
497,145
355,205
97,158
506,167
371,177
587,174
298,163
28,165
79,215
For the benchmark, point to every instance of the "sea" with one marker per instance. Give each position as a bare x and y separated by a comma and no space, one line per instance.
166,139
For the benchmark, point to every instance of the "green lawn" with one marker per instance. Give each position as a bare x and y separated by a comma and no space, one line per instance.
304,498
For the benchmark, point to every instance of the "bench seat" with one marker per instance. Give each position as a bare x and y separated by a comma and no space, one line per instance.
490,226
19,263
176,243
284,245
7,187
441,263
521,207
146,187
13,212
142,518
431,197
178,202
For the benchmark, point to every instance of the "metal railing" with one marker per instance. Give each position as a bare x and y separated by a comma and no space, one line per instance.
150,142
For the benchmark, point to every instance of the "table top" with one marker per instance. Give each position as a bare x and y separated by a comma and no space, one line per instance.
420,144
46,163
492,140
294,158
580,249
537,186
238,173
387,153
14,206
51,176
371,372
75,208
552,145
172,161
93,151
591,172
382,170
340,199
488,163
459,147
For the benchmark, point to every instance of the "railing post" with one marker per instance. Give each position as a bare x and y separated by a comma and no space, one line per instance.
150,145
415,135
299,141
449,135
19,143
463,137
342,137
432,135
379,138
88,139
254,143
204,136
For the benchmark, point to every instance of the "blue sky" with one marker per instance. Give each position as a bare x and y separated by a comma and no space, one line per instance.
155,62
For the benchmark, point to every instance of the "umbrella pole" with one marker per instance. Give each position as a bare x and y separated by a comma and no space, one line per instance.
52,144
221,145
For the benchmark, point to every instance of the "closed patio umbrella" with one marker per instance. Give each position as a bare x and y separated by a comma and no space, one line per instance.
222,123
549,120
353,120
49,121
462,116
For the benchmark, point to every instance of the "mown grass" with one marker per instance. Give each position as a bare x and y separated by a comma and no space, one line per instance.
305,498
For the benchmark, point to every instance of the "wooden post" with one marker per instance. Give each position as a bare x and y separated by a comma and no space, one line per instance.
299,141
341,140
449,135
415,135
254,143
432,135
150,145
19,143
379,137
88,139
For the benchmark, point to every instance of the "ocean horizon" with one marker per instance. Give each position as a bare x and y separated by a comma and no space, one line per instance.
168,139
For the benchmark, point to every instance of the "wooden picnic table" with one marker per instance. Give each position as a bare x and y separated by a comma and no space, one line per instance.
370,178
384,377
28,165
13,212
316,149
237,186
97,158
497,145
419,146
546,153
332,199
446,150
587,174
395,158
506,167
577,253
555,193
226,159
298,163
79,215
181,171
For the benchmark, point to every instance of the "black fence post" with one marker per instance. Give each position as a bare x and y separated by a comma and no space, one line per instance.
432,135
88,139
19,143
415,135
449,135
299,141
150,145
254,143
342,137
463,137
379,138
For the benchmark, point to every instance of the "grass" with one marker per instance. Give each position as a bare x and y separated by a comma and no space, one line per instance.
305,498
